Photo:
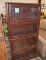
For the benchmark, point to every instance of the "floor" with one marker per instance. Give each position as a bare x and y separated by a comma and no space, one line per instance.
2,51
42,33
39,55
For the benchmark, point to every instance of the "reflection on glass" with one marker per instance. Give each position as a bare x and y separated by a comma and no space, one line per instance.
25,13
26,53
24,29
25,42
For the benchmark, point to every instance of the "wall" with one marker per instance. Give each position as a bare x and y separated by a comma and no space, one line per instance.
43,1
2,4
44,10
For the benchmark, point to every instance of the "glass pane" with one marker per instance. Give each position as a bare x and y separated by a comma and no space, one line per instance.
23,42
24,13
24,29
25,53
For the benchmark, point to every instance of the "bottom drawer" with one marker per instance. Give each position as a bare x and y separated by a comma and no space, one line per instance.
24,55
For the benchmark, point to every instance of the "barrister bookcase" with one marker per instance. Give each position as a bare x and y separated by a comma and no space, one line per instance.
23,25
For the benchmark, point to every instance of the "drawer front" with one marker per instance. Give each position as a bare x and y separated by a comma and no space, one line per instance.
23,43
24,55
21,12
21,29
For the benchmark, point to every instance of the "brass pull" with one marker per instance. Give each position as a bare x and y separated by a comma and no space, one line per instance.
17,21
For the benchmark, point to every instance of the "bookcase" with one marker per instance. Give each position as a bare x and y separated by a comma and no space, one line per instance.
23,25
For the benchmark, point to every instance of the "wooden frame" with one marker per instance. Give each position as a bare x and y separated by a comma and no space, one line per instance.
39,1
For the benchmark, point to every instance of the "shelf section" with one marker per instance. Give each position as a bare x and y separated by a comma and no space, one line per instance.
23,43
23,54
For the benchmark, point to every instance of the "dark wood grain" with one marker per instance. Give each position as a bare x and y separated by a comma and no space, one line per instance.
39,1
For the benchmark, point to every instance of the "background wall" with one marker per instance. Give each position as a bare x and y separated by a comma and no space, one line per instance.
43,1
2,4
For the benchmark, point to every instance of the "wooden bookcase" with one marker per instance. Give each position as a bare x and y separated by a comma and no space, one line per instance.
23,25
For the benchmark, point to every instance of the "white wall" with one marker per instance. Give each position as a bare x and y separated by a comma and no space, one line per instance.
43,1
2,4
